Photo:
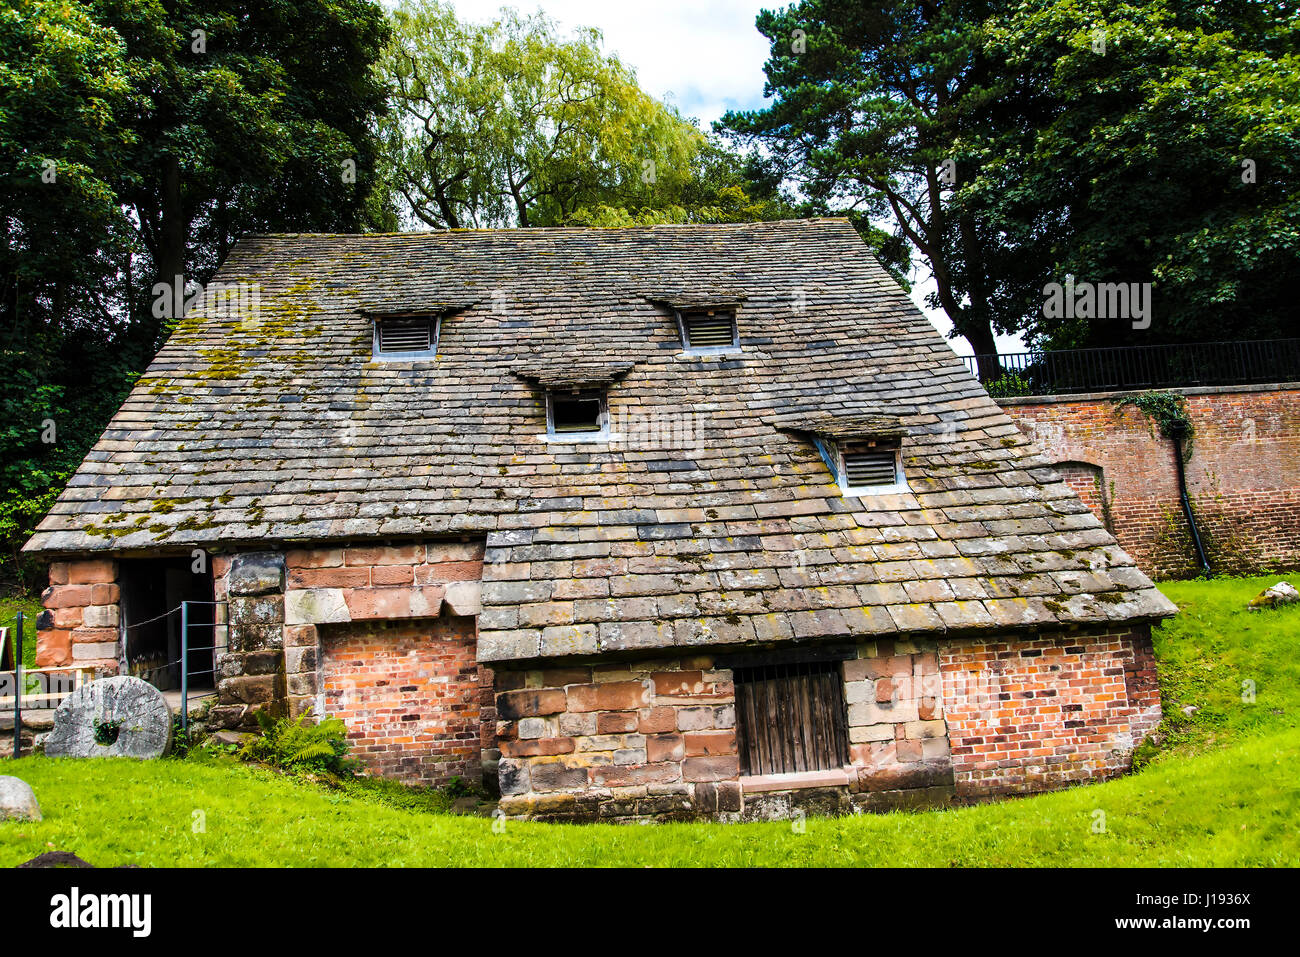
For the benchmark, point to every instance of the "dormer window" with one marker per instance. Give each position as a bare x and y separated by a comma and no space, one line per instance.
579,414
864,466
709,331
406,337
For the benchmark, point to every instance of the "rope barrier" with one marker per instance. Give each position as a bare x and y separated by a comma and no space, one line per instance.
150,621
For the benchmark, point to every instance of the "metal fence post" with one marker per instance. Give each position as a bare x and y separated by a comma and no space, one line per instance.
18,688
185,667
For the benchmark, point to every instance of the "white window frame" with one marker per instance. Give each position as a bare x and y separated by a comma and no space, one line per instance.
431,353
688,350
600,435
832,453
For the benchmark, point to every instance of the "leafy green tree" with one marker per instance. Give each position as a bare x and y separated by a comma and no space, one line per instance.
64,84
1165,152
869,102
511,124
256,117
1008,152
138,139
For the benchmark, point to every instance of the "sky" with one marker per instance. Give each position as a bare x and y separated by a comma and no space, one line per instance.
703,56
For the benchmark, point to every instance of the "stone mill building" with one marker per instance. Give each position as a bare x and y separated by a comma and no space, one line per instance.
652,522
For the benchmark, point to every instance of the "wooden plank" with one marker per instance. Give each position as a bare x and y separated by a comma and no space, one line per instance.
742,726
791,717
775,762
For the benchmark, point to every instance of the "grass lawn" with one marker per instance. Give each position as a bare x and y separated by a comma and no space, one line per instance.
1222,790
31,607
1214,645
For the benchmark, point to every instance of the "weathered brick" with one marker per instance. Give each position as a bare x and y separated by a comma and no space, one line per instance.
621,696
718,768
92,572
664,747
554,776
629,775
710,743
658,720
530,702
617,722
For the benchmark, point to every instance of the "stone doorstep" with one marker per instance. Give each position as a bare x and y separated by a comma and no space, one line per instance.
34,719
793,781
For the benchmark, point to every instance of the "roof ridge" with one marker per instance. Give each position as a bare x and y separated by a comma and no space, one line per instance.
535,230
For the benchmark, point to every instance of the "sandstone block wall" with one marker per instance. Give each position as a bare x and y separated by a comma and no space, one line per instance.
929,723
81,621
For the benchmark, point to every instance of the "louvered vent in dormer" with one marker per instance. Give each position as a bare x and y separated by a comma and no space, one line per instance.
709,330
867,465
405,336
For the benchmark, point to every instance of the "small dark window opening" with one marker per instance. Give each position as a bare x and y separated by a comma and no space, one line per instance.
406,337
791,717
576,413
709,330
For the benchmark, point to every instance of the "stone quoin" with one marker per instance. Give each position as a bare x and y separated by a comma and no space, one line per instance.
436,485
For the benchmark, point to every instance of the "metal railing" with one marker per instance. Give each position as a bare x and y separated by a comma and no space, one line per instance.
23,687
180,666
1123,368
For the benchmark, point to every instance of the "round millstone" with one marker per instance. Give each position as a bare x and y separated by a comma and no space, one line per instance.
133,711
18,800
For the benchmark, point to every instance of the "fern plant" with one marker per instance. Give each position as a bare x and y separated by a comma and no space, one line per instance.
300,745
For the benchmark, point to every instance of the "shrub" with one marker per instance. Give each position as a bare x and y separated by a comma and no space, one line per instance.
1008,386
300,745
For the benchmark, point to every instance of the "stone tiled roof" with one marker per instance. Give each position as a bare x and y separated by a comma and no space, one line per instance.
276,425
558,372
841,424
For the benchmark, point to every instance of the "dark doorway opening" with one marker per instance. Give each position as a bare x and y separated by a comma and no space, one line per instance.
152,592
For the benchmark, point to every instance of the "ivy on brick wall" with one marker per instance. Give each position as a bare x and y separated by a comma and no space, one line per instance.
1168,410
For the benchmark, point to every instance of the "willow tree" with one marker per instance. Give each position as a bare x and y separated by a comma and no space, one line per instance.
511,124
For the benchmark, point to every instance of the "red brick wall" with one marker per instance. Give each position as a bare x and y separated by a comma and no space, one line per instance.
1243,476
1033,715
1087,482
81,618
353,583
411,694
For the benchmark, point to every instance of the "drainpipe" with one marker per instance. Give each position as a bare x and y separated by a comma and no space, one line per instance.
1177,432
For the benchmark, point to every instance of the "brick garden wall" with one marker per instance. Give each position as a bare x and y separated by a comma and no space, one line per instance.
1243,476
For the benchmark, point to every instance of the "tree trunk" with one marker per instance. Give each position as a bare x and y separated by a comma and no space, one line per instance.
977,327
173,235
